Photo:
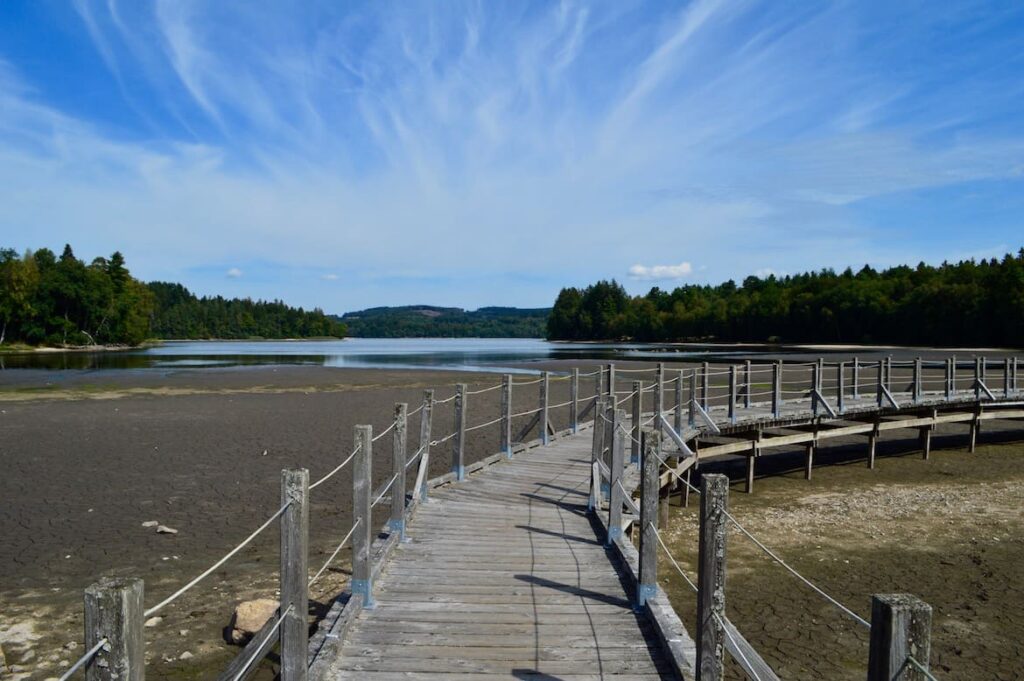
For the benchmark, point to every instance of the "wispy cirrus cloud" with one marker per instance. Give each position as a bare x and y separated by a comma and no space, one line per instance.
523,146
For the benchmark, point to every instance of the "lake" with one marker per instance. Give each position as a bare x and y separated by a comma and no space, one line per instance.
486,354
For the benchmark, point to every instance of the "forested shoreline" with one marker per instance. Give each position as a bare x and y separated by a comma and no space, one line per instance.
970,303
46,300
428,321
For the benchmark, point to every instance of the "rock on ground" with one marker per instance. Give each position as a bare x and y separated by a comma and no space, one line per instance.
249,618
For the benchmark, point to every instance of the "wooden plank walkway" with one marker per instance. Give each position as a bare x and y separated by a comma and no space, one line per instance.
504,576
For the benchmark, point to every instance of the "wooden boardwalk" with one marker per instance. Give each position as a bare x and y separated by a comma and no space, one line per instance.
504,576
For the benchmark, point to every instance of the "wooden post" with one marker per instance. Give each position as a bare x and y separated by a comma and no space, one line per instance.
113,611
952,373
612,426
574,400
686,488
602,381
545,390
426,422
916,383
459,441
295,572
949,380
809,463
901,627
398,448
979,376
856,378
974,428
820,373
714,502
678,416
362,537
596,449
638,416
648,578
615,499
746,384
926,437
1015,388
983,360
692,413
777,389
815,386
751,471
1006,377
841,387
506,414
881,381
732,393
872,443
888,373
611,379
659,388
705,378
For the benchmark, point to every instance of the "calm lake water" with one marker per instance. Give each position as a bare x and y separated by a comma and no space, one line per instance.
413,353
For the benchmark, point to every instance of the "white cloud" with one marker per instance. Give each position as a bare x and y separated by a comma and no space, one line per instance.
234,273
330,277
660,272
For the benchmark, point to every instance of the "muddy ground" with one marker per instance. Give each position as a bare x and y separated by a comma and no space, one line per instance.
948,530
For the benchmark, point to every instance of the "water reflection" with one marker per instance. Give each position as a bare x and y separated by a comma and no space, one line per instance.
411,353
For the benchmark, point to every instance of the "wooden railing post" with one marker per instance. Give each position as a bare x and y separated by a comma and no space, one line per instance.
705,378
881,381
678,415
597,446
714,502
362,476
459,441
506,415
659,401
113,611
776,389
1006,377
638,416
615,499
856,378
398,450
611,379
732,393
901,627
815,386
979,376
1015,387
574,400
948,389
602,380
691,416
888,373
545,386
648,577
984,369
952,374
426,423
916,380
841,387
295,573
746,384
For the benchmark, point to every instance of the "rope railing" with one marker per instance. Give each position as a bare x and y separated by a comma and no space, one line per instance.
337,468
385,490
484,425
533,382
335,553
84,659
205,573
385,431
484,390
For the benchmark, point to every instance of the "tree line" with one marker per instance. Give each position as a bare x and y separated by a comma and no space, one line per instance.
970,303
425,321
62,301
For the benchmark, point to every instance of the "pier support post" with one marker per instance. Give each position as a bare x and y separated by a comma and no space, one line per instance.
113,611
751,471
398,449
574,400
545,390
638,414
901,627
295,572
362,537
714,502
975,427
647,585
459,441
925,438
615,499
809,460
872,444
506,415
426,423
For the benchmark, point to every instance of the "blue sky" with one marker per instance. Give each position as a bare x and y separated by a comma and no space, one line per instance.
344,155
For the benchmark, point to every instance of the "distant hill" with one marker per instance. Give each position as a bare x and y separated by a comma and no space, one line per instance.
427,321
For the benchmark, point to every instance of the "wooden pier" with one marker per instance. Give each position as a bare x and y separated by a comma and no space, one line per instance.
540,562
